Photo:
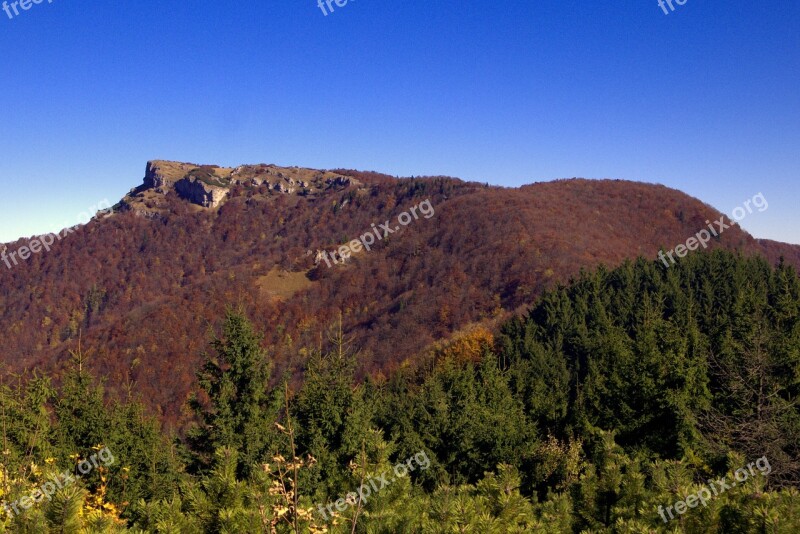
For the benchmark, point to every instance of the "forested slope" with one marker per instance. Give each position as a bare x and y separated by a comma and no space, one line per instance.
617,404
142,291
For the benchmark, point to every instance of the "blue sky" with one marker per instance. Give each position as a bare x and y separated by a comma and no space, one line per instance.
704,99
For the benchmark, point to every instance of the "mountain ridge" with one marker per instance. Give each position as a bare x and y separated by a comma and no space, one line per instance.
142,287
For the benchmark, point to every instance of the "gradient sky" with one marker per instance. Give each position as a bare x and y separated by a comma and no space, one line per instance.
705,99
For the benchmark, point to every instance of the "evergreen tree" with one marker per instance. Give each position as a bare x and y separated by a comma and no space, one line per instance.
240,409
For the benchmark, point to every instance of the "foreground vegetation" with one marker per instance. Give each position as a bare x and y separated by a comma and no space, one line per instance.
624,391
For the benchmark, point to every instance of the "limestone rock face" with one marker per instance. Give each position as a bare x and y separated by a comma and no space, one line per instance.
162,175
197,192
153,177
209,186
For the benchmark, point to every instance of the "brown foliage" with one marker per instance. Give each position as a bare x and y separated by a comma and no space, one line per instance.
144,291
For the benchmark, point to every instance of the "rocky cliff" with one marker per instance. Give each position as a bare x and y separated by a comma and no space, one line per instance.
209,186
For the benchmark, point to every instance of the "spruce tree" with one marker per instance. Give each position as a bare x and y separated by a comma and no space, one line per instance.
240,409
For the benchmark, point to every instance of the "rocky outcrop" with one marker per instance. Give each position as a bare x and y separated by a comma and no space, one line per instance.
209,185
153,177
283,188
339,181
197,192
162,175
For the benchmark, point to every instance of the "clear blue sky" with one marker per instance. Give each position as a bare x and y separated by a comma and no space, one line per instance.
705,99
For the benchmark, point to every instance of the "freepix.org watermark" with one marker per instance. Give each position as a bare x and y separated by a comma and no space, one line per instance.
715,229
103,457
374,485
664,3
378,232
44,242
330,3
718,487
24,5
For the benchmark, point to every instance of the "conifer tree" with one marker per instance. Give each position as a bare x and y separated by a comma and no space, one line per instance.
240,408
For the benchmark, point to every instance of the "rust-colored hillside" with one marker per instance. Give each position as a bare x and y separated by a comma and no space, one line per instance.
142,287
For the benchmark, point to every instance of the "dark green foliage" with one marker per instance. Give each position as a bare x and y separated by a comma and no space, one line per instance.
84,422
240,410
469,419
147,465
331,414
702,355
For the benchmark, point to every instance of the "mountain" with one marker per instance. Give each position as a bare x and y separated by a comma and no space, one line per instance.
141,286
